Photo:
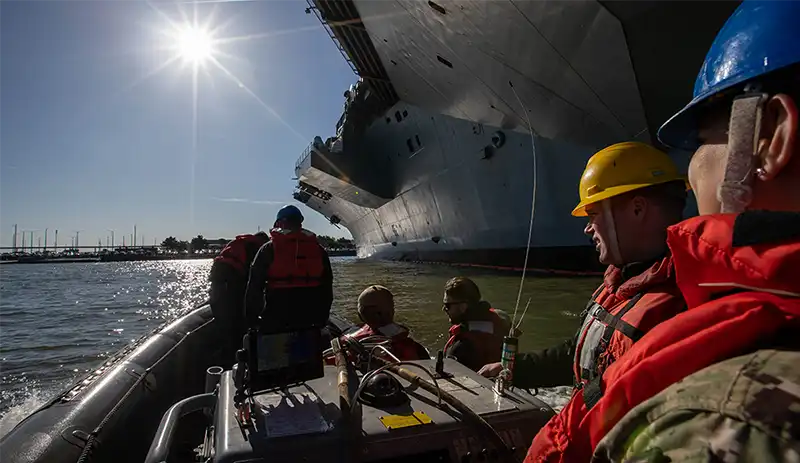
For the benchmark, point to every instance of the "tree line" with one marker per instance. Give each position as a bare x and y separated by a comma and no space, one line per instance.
200,243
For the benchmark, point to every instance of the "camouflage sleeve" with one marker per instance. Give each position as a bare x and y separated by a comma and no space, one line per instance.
742,409
693,436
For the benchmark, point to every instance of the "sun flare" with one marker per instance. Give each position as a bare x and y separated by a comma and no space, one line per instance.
195,45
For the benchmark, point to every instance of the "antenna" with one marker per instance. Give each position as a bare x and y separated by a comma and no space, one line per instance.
533,205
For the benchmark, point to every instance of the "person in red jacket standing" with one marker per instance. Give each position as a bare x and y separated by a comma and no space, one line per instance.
229,274
376,310
719,382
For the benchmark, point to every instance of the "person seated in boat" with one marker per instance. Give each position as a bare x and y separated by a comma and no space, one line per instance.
721,381
229,273
631,193
478,329
376,310
291,282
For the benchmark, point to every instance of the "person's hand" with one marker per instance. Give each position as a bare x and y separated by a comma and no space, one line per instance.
491,370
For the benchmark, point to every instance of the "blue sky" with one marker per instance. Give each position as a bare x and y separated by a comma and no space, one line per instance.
90,142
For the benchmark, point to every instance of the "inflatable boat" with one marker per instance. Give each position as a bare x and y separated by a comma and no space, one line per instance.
170,397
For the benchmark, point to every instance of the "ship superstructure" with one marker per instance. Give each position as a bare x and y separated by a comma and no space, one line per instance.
433,158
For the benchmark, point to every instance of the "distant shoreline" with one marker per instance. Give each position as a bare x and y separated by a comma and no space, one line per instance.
136,258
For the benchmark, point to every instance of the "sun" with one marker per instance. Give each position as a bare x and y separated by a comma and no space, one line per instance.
194,45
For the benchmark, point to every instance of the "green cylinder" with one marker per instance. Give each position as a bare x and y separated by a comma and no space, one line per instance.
509,355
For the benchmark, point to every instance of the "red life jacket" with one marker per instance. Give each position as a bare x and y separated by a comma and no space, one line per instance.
738,297
297,259
620,313
240,252
403,346
485,336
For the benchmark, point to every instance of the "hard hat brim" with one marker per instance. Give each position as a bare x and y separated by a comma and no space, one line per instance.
680,130
580,209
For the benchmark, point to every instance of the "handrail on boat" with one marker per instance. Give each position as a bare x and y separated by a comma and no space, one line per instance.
159,449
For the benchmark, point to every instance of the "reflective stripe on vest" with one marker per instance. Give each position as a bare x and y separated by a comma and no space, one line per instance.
483,335
592,391
586,322
478,326
483,326
596,332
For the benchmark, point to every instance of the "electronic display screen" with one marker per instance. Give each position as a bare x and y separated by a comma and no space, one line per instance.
281,350
285,358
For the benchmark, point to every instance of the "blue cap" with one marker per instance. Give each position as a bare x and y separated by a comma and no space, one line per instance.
290,213
760,37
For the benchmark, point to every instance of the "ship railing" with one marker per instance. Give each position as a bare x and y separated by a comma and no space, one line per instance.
329,30
304,156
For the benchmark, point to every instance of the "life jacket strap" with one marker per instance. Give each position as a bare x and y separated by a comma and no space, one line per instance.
592,391
616,323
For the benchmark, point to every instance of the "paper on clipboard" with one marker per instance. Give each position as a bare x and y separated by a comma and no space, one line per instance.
291,414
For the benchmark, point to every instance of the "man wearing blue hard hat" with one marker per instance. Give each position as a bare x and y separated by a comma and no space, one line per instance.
734,356
721,381
291,283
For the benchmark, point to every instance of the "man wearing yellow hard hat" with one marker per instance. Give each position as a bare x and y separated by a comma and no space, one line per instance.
630,192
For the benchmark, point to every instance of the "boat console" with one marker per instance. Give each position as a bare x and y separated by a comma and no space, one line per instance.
302,423
280,404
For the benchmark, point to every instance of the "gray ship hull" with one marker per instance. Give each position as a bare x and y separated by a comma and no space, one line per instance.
456,202
438,160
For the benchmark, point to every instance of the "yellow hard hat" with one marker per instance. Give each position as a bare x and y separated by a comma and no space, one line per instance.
621,168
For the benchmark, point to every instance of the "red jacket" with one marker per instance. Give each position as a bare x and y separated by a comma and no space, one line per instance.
635,305
403,346
484,335
739,296
239,253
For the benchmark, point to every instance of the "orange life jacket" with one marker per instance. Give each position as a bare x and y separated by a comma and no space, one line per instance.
485,336
240,252
620,313
741,291
297,259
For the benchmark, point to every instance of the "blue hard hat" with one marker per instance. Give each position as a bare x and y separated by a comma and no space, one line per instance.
289,212
760,37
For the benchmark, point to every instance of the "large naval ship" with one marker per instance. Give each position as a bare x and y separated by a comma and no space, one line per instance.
464,108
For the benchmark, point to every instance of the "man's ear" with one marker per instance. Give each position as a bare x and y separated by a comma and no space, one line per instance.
779,131
638,206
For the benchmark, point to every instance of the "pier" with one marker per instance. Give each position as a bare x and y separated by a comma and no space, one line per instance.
24,251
